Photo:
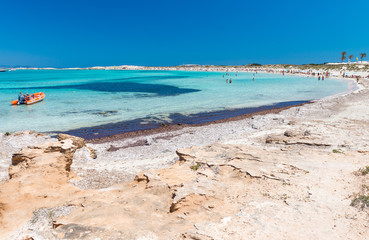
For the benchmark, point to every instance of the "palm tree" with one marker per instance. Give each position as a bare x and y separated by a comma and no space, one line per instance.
350,57
362,55
343,57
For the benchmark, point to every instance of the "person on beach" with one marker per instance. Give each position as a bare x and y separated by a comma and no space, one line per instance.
318,78
322,78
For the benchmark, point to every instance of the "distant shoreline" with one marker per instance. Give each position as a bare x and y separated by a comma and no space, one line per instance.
354,71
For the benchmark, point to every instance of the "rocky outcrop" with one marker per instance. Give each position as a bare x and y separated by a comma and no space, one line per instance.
293,137
76,141
221,191
39,177
12,143
196,188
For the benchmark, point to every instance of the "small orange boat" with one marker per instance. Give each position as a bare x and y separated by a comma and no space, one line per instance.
31,99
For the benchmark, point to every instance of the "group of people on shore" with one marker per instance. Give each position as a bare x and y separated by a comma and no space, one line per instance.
320,75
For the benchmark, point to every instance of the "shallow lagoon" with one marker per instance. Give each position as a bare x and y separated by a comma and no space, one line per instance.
87,98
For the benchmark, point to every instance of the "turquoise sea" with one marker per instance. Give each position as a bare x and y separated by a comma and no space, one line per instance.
89,98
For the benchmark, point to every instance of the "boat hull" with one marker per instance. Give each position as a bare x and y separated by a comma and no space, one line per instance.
33,98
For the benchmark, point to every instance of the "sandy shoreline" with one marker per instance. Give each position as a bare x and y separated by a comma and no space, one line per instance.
126,129
292,173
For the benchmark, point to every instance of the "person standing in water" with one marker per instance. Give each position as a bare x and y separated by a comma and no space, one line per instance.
230,80
227,80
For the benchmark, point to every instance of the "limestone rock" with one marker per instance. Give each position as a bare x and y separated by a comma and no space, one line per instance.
290,133
77,141
93,154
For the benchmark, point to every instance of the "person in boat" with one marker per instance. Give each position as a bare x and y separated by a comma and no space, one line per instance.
21,98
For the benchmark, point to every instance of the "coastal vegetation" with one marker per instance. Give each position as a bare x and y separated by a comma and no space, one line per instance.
310,66
361,201
321,67
343,56
196,166
364,171
253,65
350,57
362,55
336,151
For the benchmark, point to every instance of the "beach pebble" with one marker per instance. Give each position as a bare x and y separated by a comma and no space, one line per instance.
150,141
289,133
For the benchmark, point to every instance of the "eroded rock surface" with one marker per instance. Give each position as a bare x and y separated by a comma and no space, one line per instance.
13,143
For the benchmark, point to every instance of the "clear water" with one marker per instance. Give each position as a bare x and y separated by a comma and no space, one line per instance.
87,98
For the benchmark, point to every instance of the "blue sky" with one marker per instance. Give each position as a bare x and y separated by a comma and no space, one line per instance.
90,33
